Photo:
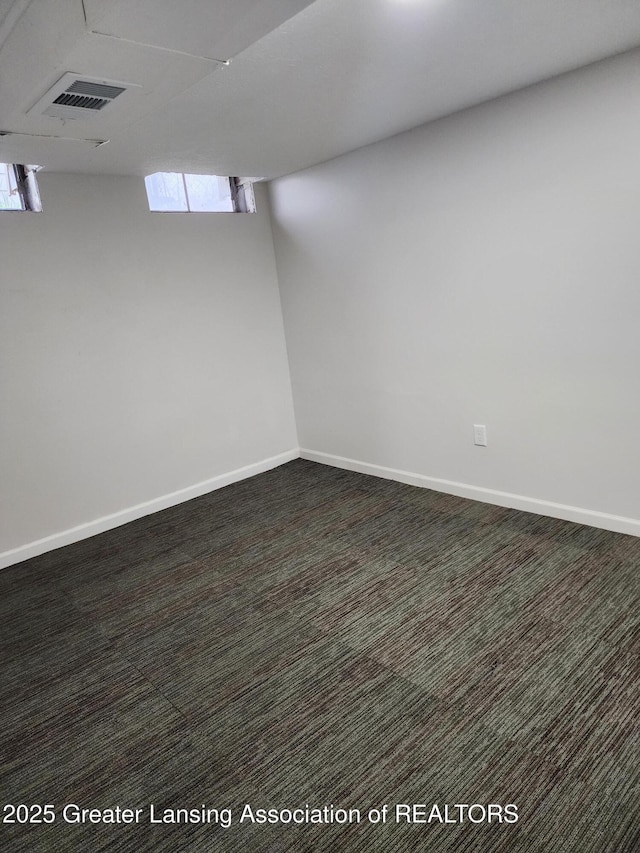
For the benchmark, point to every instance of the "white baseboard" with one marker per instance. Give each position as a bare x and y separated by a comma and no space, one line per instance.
107,522
616,523
603,520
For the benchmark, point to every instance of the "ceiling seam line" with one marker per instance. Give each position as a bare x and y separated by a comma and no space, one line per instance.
159,47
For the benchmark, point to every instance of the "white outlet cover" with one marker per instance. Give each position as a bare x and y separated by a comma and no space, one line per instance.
480,435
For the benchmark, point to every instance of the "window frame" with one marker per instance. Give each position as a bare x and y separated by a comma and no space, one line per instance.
241,192
24,177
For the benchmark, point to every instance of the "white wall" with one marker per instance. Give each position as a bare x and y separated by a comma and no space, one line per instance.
140,354
483,269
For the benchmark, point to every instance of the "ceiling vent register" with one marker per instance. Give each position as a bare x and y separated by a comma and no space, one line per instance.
76,97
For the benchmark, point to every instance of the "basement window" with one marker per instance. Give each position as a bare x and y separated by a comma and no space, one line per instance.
18,187
177,192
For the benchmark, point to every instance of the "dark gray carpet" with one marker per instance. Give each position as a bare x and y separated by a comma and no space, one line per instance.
314,636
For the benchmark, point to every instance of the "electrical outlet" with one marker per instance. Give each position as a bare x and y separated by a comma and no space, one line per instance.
480,435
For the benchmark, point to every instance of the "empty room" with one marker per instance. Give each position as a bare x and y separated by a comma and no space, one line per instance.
319,426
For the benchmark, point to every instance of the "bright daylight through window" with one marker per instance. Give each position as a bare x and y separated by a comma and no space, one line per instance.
18,187
180,193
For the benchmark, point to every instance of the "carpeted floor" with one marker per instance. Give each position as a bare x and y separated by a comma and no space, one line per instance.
315,636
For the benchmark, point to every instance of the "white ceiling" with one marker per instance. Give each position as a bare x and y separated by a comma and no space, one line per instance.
307,81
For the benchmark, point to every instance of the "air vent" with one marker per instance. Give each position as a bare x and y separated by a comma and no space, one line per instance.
82,97
98,90
82,102
76,97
